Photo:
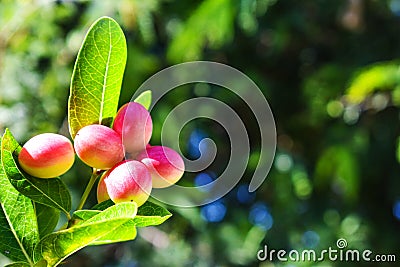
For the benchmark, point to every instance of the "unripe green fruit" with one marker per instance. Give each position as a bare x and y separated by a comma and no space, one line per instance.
99,146
128,181
165,165
133,122
47,155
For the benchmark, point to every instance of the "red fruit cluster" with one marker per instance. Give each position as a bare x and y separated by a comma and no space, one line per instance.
105,148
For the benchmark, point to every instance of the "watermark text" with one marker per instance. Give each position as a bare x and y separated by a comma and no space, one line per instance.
338,253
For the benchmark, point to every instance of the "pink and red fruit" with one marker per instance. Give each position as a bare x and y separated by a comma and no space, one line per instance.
99,146
102,194
47,155
128,181
165,165
133,122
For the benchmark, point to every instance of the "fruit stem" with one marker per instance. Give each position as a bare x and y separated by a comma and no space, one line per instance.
95,174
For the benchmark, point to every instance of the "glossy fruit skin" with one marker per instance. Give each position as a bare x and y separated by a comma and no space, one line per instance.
47,155
99,146
165,165
133,122
128,181
102,194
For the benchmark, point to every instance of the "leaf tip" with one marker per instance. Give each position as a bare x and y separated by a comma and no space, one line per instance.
144,99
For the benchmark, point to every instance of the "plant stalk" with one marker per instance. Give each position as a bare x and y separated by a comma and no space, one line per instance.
95,174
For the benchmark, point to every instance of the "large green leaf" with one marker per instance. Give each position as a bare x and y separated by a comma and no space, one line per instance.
18,226
57,246
80,216
47,218
97,76
148,214
125,232
50,192
151,214
144,99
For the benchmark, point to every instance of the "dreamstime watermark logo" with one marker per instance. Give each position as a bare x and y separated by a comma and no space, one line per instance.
210,108
339,253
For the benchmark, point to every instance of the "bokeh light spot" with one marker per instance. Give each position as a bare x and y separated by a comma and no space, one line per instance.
260,216
203,179
350,224
351,114
334,108
396,210
332,218
394,6
213,212
195,142
283,162
310,239
243,195
302,185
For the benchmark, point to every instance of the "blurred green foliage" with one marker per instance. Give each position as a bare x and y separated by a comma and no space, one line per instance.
330,71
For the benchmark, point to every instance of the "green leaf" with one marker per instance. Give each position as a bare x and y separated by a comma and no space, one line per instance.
51,192
97,76
144,99
47,218
125,232
42,263
18,226
83,215
13,245
57,246
151,214
148,214
18,264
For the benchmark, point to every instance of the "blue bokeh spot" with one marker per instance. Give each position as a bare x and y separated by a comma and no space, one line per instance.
396,210
213,212
260,216
243,195
203,178
310,239
194,143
